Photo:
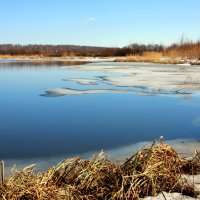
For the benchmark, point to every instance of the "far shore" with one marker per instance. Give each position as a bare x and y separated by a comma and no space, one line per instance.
150,58
156,57
50,58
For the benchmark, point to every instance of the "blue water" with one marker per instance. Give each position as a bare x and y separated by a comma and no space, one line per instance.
34,126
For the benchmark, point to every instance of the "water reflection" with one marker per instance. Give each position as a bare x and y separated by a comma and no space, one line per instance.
196,121
39,63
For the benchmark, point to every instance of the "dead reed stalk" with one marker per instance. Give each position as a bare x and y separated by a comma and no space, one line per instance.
2,172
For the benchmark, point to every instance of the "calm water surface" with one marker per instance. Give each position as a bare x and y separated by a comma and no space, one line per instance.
34,126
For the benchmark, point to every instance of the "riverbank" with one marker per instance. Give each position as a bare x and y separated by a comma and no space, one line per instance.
147,57
152,170
157,57
52,58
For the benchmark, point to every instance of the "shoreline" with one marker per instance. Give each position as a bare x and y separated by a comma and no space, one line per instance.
161,61
154,153
48,58
124,59
160,58
184,147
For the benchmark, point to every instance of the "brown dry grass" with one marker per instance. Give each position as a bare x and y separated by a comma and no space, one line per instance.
148,56
184,51
149,172
21,56
175,54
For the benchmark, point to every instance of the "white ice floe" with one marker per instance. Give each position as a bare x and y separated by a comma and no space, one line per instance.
184,64
67,91
84,81
155,79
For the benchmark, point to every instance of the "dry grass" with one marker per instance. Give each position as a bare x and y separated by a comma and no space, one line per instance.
175,54
148,56
185,51
21,56
149,172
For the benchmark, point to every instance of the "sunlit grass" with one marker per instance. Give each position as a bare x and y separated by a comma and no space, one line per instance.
150,171
150,56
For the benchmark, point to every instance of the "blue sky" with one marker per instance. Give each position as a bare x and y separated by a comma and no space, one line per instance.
98,22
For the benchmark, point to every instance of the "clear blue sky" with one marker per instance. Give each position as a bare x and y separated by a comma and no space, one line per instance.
98,22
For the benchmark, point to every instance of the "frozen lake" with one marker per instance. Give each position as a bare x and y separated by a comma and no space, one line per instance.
53,110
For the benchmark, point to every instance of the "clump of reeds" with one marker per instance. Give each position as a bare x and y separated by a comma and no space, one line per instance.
185,51
179,53
149,172
147,56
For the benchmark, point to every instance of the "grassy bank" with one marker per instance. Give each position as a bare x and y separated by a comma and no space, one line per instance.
154,57
175,54
158,57
150,171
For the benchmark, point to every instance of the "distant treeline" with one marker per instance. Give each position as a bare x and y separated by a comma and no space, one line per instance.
71,50
138,49
55,50
181,49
